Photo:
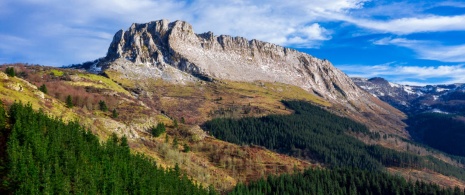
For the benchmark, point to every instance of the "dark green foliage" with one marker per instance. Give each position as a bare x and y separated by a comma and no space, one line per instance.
102,106
440,131
158,130
47,156
69,101
315,134
186,148
114,113
43,88
2,117
175,142
10,71
340,181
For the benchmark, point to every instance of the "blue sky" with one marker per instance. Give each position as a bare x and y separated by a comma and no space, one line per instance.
410,42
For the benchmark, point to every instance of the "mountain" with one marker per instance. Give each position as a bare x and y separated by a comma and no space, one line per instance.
173,52
417,99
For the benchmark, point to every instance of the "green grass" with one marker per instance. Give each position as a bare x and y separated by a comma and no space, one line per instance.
101,82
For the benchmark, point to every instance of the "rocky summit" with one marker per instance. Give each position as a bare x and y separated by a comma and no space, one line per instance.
173,52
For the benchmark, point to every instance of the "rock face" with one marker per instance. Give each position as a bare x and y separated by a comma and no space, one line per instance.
172,51
417,99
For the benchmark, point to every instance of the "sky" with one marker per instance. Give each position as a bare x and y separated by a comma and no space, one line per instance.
408,42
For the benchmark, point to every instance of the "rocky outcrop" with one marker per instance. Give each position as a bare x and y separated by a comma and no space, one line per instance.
172,51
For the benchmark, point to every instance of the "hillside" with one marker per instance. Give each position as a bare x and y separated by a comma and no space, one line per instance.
182,108
209,161
162,74
435,112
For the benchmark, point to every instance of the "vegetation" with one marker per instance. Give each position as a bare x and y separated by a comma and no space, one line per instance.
158,130
69,101
47,156
315,134
43,88
10,71
114,113
340,181
440,131
102,106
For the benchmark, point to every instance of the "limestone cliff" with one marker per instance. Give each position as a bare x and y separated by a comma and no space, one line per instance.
172,51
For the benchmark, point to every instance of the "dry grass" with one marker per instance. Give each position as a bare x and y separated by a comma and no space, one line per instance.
427,176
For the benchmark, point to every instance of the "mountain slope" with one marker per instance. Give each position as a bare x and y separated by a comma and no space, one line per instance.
174,53
417,99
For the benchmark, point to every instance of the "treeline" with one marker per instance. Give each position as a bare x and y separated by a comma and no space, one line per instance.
340,181
440,131
47,156
315,134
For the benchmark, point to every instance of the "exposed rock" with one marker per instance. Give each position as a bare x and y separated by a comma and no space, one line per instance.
173,52
15,86
39,94
3,76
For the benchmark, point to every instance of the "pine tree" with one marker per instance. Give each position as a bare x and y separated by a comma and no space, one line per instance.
10,71
114,113
103,106
69,101
158,130
43,88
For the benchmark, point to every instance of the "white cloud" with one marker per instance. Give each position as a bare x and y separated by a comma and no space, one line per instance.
412,75
428,49
403,26
74,26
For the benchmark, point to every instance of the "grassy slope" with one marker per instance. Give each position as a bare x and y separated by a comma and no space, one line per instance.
210,161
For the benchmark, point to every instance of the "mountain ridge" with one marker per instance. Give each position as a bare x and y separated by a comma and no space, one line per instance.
443,98
173,52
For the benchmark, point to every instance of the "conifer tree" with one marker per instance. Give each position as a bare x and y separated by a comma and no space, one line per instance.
69,101
10,71
103,106
114,113
43,88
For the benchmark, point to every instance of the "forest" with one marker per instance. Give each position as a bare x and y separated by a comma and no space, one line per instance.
444,132
313,133
42,155
340,181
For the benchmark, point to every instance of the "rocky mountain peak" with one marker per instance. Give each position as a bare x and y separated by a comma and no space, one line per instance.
173,52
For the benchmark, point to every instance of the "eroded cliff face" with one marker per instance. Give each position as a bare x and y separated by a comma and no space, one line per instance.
173,52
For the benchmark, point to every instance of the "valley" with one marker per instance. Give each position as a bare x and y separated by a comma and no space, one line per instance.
239,112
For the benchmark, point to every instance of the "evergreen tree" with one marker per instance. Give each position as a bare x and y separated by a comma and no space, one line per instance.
10,71
102,106
43,88
69,101
158,130
114,113
47,156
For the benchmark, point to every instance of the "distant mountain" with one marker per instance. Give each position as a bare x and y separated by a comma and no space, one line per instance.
173,52
417,99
